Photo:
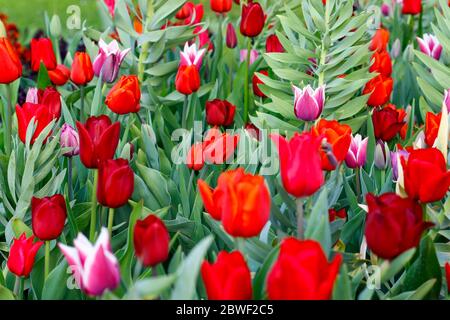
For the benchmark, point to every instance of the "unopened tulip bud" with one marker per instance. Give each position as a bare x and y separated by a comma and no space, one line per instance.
55,26
69,139
356,156
308,104
382,155
231,39
430,46
396,48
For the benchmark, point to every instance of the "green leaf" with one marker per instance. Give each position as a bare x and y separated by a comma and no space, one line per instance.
318,227
43,80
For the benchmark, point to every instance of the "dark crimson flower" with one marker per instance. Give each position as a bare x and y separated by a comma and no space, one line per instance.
273,44
115,183
393,224
252,19
220,112
388,122
256,81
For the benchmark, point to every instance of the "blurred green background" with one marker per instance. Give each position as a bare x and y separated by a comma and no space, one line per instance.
29,14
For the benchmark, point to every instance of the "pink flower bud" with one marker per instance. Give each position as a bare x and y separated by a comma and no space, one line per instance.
108,61
430,46
309,103
253,55
356,156
69,139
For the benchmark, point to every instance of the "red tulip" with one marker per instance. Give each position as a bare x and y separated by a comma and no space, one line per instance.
426,176
380,40
388,122
231,38
432,124
256,81
252,19
240,200
302,272
60,75
48,216
98,140
380,89
22,254
220,112
300,154
333,214
221,6
188,80
151,241
115,183
382,63
125,96
185,11
412,7
42,116
52,99
42,51
82,71
393,224
10,62
273,44
338,136
228,278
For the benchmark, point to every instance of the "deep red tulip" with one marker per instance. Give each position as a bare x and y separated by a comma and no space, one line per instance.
48,216
188,80
151,241
425,173
393,224
412,7
300,154
338,136
228,278
22,254
42,51
256,81
125,96
380,90
240,200
388,122
273,44
252,19
82,71
302,272
185,11
231,38
10,62
447,275
115,183
432,124
221,6
60,75
52,99
98,140
220,112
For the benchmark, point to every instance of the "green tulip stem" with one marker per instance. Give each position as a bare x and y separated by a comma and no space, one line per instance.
300,218
358,183
82,117
47,259
110,221
239,244
8,120
93,208
247,82
18,285
184,115
69,178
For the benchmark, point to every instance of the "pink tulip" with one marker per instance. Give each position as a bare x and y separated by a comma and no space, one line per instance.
191,56
430,46
309,103
32,95
108,61
95,267
253,55
386,9
70,139
356,156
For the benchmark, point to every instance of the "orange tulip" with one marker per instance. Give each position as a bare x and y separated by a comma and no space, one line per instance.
82,71
432,123
339,136
240,200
